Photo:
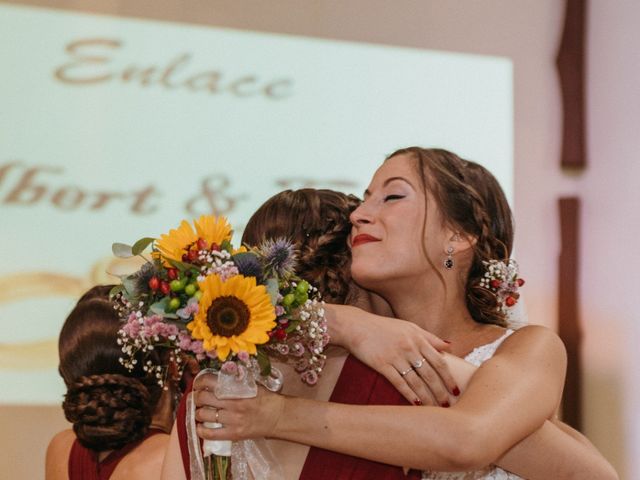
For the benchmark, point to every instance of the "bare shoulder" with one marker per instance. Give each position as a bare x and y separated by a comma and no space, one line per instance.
535,343
145,461
57,457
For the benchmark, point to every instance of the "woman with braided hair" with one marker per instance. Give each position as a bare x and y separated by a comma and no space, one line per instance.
429,226
120,418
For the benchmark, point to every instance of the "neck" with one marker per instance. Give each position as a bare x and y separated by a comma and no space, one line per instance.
436,307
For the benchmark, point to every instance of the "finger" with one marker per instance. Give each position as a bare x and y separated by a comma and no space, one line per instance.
399,383
206,381
215,433
205,398
208,414
430,380
436,342
417,384
438,363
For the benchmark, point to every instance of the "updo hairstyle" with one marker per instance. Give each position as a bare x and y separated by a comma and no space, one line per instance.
108,405
317,222
472,202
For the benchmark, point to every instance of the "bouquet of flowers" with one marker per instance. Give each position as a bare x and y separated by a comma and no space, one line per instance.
232,310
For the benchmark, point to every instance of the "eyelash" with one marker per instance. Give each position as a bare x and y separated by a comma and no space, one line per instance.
393,197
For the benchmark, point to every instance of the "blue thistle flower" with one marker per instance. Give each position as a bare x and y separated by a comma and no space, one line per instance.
248,265
279,256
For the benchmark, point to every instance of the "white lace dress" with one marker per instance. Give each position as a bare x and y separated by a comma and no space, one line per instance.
478,356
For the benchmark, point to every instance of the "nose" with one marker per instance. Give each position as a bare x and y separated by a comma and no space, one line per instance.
361,215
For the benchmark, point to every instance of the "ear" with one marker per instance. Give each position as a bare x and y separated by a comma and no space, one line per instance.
460,242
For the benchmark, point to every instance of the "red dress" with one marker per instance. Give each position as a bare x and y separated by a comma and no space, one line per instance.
84,464
357,385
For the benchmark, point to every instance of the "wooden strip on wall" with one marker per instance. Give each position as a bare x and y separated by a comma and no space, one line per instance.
571,69
568,308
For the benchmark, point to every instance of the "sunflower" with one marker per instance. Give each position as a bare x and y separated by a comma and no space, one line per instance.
178,241
235,315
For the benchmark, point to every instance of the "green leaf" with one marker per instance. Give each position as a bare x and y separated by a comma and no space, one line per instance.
273,290
129,284
264,363
160,307
115,290
292,327
141,245
182,266
121,250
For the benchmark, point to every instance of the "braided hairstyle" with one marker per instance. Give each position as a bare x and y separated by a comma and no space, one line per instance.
317,222
472,202
108,405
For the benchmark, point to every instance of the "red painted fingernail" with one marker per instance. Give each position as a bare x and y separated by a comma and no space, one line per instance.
417,402
446,405
456,391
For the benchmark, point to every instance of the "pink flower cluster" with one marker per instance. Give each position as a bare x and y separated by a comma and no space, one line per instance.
138,326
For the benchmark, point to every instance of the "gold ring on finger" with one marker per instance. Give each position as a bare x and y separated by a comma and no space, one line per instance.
406,371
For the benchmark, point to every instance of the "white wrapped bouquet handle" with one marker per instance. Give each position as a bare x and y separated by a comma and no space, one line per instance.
250,459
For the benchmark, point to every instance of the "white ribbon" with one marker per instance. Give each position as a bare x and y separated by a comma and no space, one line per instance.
250,459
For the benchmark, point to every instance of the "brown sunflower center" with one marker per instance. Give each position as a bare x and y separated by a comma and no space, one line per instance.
228,316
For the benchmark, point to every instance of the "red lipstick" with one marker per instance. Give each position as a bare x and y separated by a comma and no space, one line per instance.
362,239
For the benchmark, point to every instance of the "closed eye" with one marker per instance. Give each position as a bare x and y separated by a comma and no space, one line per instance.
393,197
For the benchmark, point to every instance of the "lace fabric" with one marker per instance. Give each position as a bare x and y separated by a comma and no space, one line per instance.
478,356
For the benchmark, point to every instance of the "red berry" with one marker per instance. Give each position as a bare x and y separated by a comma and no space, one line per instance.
165,288
215,247
520,282
154,283
280,334
202,244
185,258
495,283
192,255
172,273
510,301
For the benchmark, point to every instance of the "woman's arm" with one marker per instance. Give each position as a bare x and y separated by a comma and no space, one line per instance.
557,451
566,453
501,407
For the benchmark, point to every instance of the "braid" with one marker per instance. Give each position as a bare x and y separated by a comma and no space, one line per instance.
472,202
325,261
108,410
317,221
482,303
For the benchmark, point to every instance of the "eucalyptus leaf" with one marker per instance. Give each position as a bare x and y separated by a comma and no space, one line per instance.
129,284
273,290
121,250
141,245
160,307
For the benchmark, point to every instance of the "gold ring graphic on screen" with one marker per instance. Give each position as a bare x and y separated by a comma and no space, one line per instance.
43,353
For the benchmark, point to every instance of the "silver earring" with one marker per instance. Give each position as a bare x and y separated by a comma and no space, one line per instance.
448,262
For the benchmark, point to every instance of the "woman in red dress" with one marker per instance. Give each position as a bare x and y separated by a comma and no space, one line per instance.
120,419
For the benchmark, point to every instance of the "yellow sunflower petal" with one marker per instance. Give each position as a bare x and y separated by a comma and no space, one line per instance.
173,245
213,229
